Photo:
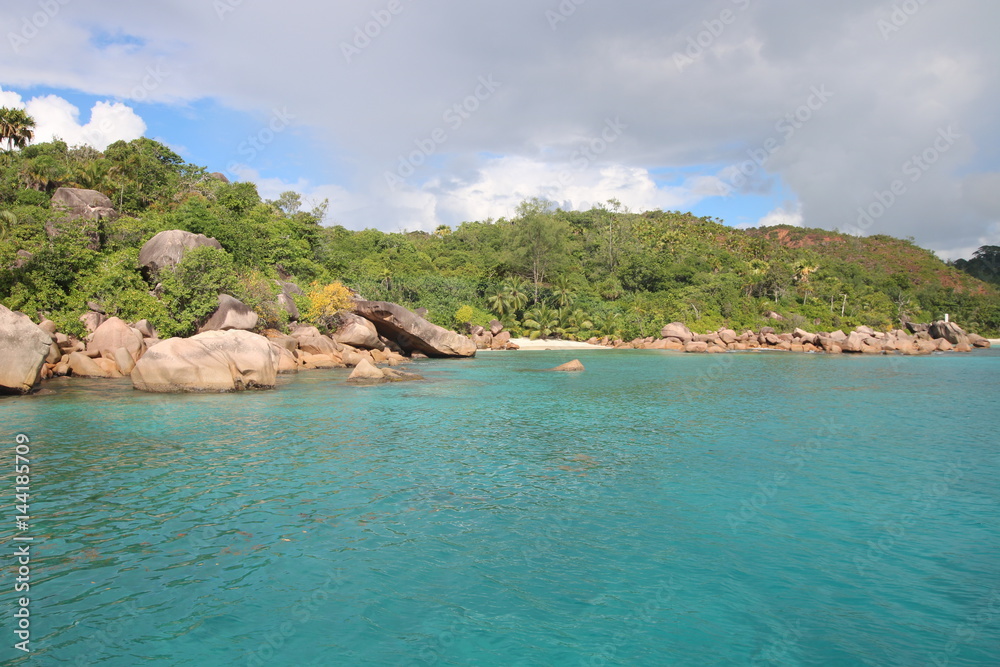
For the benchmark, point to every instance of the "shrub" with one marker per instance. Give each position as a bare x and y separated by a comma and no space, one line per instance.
326,302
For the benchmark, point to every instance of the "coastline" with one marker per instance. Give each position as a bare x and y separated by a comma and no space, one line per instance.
528,344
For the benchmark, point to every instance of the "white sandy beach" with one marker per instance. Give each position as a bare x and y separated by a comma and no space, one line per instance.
528,344
994,341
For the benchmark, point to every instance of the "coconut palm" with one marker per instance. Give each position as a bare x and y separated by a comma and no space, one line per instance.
7,222
572,323
562,292
43,173
541,322
16,127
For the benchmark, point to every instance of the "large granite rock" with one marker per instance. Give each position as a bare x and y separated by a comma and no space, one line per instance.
950,331
166,249
213,361
678,331
86,204
286,298
413,333
231,314
114,334
24,346
357,332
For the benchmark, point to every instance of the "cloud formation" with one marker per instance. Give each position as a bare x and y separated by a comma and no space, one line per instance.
56,118
702,89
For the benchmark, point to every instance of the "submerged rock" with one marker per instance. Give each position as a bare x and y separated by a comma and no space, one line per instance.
574,365
213,361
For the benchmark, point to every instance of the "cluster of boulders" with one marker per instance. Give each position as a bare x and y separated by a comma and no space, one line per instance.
919,339
494,338
373,338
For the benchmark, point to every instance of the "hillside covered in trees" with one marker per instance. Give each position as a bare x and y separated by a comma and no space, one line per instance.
545,272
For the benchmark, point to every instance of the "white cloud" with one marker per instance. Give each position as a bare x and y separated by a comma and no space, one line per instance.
783,216
57,118
890,95
109,122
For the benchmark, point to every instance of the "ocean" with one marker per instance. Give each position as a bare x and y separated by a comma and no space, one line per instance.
753,508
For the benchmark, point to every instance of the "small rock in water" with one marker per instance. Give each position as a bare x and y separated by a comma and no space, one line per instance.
574,365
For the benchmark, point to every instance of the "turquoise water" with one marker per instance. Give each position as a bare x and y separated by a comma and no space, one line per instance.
657,509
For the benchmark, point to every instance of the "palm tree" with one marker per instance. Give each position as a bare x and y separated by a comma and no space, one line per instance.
541,321
7,222
43,173
572,323
562,292
16,127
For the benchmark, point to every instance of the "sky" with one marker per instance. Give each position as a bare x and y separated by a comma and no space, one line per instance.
863,117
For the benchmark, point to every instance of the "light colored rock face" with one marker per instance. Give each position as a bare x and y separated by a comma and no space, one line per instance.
677,330
88,204
319,345
357,332
496,326
166,249
303,331
92,320
24,347
83,366
231,314
214,361
114,334
570,366
413,333
365,371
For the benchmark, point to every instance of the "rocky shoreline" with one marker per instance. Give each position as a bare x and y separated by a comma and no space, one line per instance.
372,339
918,339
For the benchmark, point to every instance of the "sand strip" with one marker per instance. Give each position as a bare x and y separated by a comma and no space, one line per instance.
528,344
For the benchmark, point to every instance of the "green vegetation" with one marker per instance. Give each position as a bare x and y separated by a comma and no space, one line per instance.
544,273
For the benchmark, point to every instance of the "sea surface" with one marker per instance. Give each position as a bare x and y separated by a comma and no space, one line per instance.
657,509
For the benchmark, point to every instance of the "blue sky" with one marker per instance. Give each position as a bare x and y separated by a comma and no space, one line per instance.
410,115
